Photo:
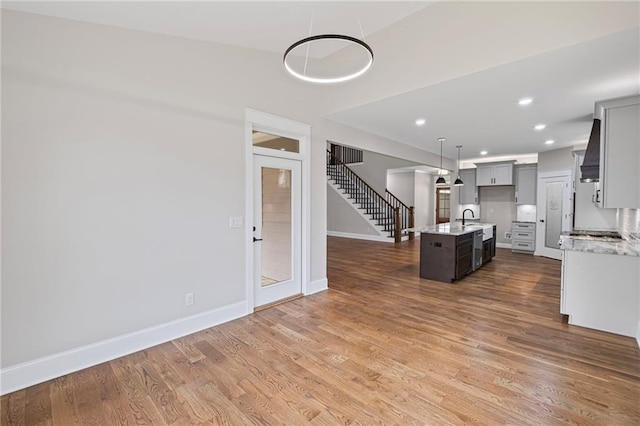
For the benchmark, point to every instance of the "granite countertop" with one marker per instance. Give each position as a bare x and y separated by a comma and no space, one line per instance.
622,247
452,228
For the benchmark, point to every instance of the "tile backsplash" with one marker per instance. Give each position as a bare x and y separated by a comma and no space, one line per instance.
629,223
526,213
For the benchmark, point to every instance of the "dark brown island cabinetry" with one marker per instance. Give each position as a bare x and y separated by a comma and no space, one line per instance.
489,248
445,257
448,253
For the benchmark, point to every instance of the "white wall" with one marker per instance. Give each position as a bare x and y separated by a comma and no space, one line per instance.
123,159
425,197
122,162
415,189
402,185
343,218
497,206
555,160
374,169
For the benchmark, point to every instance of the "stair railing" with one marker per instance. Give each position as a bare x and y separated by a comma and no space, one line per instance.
406,212
364,194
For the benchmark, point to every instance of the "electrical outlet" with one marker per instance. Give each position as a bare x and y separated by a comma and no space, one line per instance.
188,299
507,235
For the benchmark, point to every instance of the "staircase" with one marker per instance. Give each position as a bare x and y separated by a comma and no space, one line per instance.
387,214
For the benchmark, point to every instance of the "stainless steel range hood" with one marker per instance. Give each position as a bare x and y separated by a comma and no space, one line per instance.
590,168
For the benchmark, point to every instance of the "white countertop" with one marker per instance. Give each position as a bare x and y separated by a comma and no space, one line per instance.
452,228
622,247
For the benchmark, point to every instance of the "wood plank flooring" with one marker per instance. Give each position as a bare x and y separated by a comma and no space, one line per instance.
382,346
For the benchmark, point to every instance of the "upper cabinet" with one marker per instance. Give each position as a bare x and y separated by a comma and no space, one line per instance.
526,177
468,191
488,174
619,153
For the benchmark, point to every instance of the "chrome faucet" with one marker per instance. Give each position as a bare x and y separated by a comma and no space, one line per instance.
464,211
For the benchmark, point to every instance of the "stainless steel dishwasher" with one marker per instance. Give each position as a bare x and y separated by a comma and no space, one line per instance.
477,249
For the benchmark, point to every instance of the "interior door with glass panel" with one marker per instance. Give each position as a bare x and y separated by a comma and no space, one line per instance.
277,229
553,214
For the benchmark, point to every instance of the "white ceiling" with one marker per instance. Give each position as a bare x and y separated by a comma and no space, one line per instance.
263,25
478,111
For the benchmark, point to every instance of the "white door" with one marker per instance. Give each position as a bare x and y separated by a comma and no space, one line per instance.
553,212
277,229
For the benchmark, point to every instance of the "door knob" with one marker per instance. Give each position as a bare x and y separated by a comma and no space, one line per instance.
256,239
542,220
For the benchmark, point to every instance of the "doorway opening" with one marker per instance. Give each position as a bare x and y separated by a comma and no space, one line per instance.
443,205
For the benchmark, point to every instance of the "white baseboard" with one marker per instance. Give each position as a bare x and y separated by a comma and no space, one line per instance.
360,236
503,245
29,373
317,286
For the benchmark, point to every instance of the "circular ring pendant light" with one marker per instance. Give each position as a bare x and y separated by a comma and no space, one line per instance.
329,37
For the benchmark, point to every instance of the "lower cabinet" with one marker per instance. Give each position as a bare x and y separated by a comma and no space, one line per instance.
489,247
488,250
493,241
464,255
601,291
445,257
523,237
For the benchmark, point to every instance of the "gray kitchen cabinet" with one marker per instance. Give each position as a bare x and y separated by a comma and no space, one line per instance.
491,174
526,177
523,237
619,153
469,191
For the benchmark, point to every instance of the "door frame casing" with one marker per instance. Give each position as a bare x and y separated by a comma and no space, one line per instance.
276,125
564,175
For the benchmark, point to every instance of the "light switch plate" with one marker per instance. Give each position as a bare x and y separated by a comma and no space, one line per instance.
235,222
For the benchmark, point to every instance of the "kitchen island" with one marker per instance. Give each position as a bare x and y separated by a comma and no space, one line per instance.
449,251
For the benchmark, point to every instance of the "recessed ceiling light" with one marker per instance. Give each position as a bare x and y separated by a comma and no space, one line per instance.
525,101
540,126
420,122
549,142
484,152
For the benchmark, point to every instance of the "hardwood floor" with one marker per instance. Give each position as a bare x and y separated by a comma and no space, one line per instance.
382,346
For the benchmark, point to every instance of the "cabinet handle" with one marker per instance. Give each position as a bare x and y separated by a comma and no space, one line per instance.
598,196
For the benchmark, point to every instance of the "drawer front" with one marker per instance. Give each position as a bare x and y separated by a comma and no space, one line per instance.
518,226
464,238
523,235
464,249
522,245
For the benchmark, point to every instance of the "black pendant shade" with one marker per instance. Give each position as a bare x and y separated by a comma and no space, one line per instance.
458,181
441,180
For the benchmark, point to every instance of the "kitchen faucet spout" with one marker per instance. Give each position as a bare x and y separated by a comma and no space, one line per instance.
464,211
